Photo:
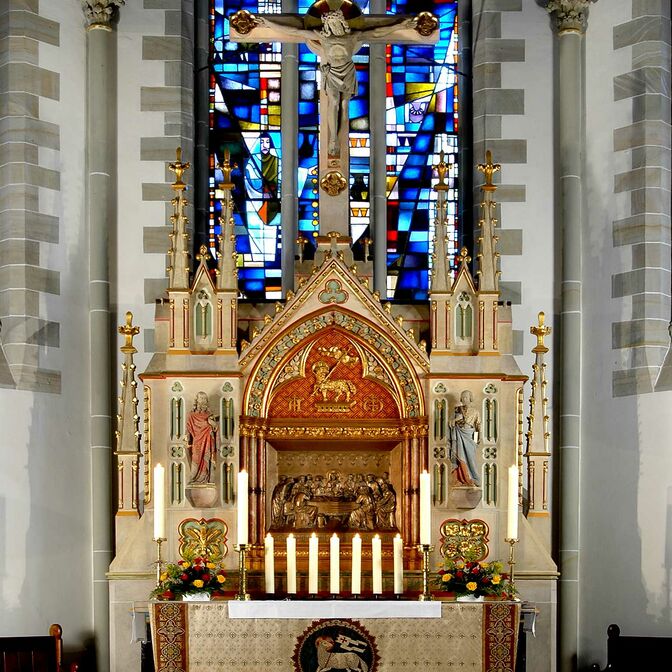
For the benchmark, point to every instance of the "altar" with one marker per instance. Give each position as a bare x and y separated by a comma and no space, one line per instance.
207,636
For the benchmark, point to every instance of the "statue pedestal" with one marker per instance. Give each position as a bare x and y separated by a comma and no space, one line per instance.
465,497
202,495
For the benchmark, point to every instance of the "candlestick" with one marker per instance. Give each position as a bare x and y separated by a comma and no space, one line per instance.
313,550
398,549
376,557
159,502
356,579
512,562
159,561
243,493
425,509
291,564
425,549
334,565
242,573
512,517
269,563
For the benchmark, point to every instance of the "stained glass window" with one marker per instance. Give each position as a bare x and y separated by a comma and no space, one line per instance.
421,118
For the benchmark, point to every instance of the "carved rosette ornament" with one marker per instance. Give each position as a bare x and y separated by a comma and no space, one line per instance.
99,13
426,24
569,15
333,183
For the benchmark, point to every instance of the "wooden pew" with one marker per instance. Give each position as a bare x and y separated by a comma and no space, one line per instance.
627,654
33,654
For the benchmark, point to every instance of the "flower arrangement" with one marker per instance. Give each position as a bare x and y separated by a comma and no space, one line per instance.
463,576
197,575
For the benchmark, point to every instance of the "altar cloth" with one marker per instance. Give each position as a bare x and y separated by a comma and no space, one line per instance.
334,609
201,637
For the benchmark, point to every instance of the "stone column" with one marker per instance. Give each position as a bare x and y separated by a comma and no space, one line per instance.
289,120
378,174
101,218
570,20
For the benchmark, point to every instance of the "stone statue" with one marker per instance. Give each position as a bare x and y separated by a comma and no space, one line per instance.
463,441
281,494
335,44
202,427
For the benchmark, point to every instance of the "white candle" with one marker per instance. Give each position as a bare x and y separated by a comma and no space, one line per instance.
398,548
312,563
243,492
159,503
512,518
425,509
356,585
291,565
269,563
376,555
334,565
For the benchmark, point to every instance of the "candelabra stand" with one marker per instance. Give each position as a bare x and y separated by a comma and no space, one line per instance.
159,560
512,562
425,549
242,573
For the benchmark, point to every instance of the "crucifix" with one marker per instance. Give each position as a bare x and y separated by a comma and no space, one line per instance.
335,30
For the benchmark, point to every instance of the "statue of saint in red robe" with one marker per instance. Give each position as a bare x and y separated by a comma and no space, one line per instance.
202,427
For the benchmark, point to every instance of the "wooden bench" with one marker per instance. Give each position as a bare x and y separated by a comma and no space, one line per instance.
33,654
627,654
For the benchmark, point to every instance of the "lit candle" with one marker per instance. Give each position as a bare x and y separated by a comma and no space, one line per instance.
312,563
376,555
159,503
512,518
425,509
356,585
291,565
243,491
269,563
334,565
398,548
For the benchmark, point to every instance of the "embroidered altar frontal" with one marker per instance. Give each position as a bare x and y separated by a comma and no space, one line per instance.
200,637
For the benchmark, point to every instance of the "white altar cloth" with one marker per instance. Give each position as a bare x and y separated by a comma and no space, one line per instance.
334,609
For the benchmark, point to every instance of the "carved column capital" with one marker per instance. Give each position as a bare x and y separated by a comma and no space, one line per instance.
569,15
99,13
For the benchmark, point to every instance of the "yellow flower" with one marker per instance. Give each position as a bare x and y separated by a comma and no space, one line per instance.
185,564
472,585
484,565
221,578
446,577
459,564
496,578
210,565
198,583
163,576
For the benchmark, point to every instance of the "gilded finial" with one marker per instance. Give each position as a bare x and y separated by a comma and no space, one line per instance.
129,331
226,167
441,170
203,254
179,168
464,257
489,169
540,332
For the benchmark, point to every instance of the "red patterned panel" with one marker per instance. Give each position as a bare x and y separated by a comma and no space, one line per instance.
323,392
500,636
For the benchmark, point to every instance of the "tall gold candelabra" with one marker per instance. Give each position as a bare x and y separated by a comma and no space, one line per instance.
426,594
159,560
512,562
242,573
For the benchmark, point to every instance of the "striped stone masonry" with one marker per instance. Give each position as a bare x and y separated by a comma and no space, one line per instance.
24,229
174,47
492,51
644,290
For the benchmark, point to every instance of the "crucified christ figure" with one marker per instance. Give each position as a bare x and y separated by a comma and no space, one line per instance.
335,43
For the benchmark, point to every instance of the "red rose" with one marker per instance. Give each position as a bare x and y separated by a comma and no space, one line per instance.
185,577
205,577
221,572
459,573
198,561
486,579
167,595
475,570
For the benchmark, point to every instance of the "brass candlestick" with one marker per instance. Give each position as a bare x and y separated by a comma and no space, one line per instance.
425,549
159,559
512,562
242,573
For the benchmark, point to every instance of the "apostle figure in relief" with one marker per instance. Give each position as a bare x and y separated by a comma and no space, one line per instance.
463,441
335,44
202,427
